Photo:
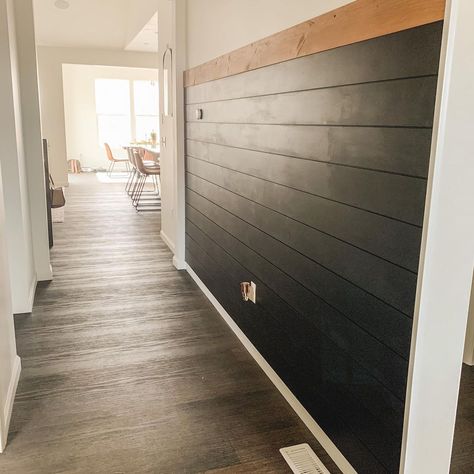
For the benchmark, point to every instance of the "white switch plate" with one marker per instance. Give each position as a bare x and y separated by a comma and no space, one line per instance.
253,293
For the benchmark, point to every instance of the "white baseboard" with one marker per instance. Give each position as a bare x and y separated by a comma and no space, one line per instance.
167,241
307,419
8,408
31,294
27,305
47,275
179,264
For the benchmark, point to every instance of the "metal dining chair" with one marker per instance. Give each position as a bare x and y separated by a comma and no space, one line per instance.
141,199
113,160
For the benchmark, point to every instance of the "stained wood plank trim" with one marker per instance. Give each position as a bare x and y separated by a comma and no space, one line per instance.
358,21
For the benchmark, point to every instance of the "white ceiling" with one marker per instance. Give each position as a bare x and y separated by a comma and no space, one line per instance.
147,38
103,24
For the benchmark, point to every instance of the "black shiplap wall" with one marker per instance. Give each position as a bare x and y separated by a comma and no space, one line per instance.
309,178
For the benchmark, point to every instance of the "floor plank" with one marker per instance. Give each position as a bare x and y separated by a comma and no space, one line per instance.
126,366
463,448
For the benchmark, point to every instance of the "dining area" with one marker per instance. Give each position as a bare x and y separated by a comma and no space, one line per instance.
143,171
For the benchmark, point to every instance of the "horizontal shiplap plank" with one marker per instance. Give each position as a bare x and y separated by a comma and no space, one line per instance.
369,61
396,150
381,363
340,266
358,21
265,232
283,197
390,240
393,195
401,103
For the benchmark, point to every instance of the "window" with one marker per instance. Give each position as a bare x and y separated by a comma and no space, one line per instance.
127,111
112,100
146,97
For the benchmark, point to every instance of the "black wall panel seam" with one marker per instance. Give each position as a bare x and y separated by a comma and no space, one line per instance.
364,302
403,127
343,165
401,78
330,222
368,252
322,331
199,267
401,151
305,256
403,356
401,103
405,221
341,203
312,227
256,278
304,191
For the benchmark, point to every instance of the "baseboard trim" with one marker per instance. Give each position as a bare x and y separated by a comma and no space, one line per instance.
8,408
47,275
167,241
31,294
332,450
179,264
27,306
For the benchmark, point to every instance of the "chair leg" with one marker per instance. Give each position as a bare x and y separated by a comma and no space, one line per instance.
111,169
131,177
140,191
137,191
135,187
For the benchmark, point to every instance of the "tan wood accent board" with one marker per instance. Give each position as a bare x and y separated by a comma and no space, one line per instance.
358,21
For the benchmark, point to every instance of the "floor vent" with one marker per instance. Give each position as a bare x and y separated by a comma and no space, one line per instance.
302,460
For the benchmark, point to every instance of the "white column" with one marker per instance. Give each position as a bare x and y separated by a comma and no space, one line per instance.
12,159
447,258
28,69
179,34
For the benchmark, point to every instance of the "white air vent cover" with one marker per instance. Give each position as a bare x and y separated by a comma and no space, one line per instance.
302,460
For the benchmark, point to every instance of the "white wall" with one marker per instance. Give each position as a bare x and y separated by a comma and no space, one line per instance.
216,27
447,258
32,136
50,61
12,159
9,361
82,137
10,227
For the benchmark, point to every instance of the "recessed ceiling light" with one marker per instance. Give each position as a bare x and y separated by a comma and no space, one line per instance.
62,4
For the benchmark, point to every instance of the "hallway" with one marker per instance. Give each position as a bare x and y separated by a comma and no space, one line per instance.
128,368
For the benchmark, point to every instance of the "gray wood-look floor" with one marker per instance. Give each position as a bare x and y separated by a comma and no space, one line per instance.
126,366
463,447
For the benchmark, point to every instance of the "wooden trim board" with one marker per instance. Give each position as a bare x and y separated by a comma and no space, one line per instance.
358,21
332,450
